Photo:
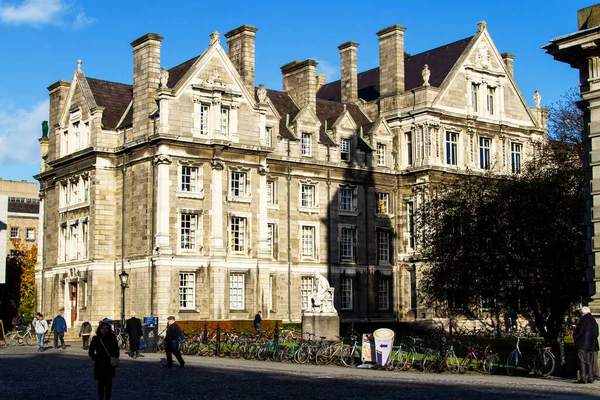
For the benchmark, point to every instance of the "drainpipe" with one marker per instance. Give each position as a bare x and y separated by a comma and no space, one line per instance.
289,232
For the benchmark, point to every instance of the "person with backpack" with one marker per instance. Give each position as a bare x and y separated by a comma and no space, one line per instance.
84,333
59,327
172,343
40,326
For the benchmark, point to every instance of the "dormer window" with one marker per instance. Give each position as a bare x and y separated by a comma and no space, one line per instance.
380,154
306,144
203,119
345,150
475,97
491,91
224,121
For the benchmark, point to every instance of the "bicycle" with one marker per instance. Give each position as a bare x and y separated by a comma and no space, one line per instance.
14,338
402,357
485,361
445,358
340,353
542,361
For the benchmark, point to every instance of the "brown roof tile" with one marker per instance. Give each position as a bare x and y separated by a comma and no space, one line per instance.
25,208
440,61
114,97
177,72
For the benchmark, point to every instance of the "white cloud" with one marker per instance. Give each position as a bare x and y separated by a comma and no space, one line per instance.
19,133
44,12
332,71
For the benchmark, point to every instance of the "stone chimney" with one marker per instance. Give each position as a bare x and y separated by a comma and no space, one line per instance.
509,61
321,80
240,46
299,81
391,60
146,78
349,79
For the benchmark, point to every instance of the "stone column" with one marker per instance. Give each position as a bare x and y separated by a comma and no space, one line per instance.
216,241
163,210
263,248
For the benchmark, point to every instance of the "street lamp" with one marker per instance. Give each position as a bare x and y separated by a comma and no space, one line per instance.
124,277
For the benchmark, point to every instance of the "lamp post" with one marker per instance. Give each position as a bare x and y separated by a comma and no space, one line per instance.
124,277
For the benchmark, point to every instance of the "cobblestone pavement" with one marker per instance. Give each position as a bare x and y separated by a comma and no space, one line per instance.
67,374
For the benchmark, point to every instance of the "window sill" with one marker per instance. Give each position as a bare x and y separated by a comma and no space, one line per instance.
190,195
239,199
188,311
348,262
273,206
310,210
74,207
348,213
384,215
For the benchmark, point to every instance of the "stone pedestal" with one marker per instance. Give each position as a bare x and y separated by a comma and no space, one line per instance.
321,324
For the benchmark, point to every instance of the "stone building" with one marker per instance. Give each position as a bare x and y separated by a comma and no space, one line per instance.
220,197
19,217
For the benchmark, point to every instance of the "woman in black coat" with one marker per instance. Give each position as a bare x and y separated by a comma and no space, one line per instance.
104,346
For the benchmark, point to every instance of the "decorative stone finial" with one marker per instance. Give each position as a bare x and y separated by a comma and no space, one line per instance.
537,98
164,77
426,74
214,37
481,26
79,62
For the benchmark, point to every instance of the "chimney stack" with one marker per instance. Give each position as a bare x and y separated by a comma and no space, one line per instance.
146,78
299,81
391,60
240,47
349,69
509,61
321,80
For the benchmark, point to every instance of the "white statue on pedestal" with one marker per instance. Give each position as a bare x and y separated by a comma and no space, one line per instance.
321,299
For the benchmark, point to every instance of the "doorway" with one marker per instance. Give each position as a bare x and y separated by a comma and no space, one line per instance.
73,303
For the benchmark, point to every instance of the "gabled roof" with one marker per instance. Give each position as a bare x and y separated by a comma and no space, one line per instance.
177,72
114,97
440,61
284,105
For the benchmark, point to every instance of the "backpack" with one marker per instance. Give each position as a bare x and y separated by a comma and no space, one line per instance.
15,321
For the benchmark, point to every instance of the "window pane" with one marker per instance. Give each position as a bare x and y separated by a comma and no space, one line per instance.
238,234
346,294
236,291
308,241
305,290
384,294
188,231
308,196
383,246
187,291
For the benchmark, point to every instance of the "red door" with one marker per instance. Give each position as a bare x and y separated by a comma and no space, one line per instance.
73,303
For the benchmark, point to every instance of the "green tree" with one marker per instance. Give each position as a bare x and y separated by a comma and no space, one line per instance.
18,294
565,118
518,241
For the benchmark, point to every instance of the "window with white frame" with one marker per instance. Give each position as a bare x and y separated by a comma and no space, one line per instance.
345,150
515,157
237,284
14,233
269,136
86,189
74,192
347,199
238,232
237,184
383,294
72,239
188,181
383,246
85,229
410,224
346,294
224,121
306,144
491,92
271,192
383,200
75,135
62,243
308,241
380,154
348,243
188,231
475,96
484,153
306,289
308,196
271,238
30,234
64,195
201,118
452,148
187,291
270,300
409,148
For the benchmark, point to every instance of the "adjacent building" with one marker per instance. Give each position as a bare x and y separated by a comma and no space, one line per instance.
220,197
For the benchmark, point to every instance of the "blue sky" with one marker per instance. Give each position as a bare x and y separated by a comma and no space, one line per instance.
43,39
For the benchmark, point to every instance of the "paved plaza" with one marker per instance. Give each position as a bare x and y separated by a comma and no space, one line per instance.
67,374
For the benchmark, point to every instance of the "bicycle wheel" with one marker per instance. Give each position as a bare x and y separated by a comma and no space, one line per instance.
430,361
407,359
350,356
491,363
452,362
11,339
467,363
324,356
393,361
512,362
543,363
30,340
302,354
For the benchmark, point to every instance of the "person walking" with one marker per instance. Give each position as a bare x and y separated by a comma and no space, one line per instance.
84,333
133,327
172,343
257,321
103,347
59,327
586,342
40,326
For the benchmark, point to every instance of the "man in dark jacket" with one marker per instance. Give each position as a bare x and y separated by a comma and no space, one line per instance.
257,321
586,342
133,327
59,327
172,343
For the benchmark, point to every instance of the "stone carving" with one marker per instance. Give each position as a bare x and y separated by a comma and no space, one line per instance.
217,164
261,93
214,37
164,77
426,74
321,299
537,98
263,170
483,56
162,159
79,65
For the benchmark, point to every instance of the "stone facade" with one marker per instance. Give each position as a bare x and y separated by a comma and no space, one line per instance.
219,198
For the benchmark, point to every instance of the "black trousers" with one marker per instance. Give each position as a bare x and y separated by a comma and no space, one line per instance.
85,341
61,336
173,348
105,389
586,358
